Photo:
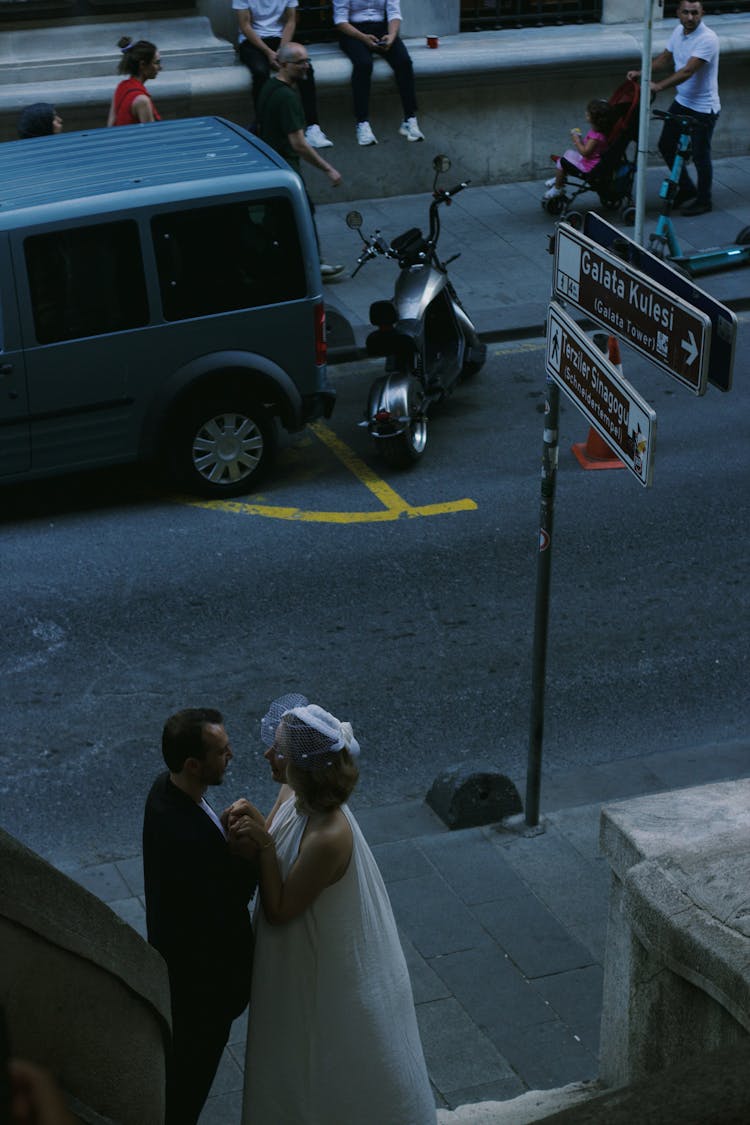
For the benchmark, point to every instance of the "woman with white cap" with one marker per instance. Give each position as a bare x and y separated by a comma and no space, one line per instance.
333,1036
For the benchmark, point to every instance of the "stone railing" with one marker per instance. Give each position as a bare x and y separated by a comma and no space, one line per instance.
83,994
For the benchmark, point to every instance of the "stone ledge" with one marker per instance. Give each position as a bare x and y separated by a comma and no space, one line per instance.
677,916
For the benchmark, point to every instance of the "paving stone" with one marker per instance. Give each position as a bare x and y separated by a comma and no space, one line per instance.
132,911
104,881
532,936
222,1109
238,1033
426,985
476,872
546,1055
575,889
400,860
682,768
229,1076
491,989
457,1053
576,997
404,821
132,872
433,917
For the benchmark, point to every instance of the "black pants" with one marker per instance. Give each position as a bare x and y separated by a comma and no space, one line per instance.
361,56
260,70
701,147
199,1036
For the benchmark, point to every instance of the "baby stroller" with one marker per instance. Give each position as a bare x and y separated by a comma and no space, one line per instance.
612,178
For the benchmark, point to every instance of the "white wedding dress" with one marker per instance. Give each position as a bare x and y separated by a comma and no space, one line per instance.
333,1036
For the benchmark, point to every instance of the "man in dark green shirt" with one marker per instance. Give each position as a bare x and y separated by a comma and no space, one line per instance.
281,123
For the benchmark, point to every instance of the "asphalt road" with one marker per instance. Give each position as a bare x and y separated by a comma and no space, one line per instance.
122,603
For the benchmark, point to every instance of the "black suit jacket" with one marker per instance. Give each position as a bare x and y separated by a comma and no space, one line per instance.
197,896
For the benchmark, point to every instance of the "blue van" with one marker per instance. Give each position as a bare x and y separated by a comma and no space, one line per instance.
160,300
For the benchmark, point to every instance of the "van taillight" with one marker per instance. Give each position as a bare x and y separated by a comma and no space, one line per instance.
321,348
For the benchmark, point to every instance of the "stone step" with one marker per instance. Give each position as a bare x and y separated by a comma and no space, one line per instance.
80,51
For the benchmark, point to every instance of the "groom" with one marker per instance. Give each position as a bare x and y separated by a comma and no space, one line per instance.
197,893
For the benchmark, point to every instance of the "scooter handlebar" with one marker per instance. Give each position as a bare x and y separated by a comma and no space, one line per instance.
446,194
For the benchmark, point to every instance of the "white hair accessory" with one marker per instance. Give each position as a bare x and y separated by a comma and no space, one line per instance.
313,735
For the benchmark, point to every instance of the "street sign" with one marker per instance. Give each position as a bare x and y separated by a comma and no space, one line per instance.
615,410
723,320
643,313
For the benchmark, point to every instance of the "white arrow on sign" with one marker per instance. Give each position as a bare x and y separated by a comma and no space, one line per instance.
690,348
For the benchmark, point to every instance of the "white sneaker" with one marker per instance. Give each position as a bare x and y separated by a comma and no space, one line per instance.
328,272
316,138
365,135
410,129
552,193
550,182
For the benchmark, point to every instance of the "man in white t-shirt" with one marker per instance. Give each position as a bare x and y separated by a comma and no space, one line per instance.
692,56
266,25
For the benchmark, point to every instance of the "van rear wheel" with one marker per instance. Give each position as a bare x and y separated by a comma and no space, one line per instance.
222,446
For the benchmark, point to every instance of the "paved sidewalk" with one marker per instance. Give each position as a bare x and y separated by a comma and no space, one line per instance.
504,934
504,273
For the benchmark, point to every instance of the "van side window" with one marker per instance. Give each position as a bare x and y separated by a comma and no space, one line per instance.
86,281
226,257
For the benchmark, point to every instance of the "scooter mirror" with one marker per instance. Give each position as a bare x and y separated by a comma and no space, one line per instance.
354,220
441,163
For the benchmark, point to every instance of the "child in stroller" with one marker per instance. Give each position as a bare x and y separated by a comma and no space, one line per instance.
614,126
587,152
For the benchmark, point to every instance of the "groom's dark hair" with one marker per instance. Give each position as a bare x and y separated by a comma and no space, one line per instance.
182,736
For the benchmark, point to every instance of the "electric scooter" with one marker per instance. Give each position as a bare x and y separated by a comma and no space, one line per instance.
663,242
423,332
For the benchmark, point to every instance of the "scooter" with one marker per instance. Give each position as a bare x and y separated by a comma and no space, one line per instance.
663,242
424,333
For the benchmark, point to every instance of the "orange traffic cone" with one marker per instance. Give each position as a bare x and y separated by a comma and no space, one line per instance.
594,453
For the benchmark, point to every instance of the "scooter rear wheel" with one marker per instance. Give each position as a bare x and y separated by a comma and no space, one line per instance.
406,448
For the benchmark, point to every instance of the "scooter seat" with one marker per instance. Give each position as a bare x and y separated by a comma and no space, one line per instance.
389,341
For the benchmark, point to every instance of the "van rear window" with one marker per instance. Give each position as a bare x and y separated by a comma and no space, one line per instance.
86,281
226,257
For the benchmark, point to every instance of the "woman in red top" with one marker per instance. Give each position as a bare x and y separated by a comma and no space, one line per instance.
131,102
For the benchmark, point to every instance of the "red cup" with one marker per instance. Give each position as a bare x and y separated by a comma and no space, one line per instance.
433,41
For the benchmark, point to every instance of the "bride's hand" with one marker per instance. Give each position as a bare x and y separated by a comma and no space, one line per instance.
240,808
246,829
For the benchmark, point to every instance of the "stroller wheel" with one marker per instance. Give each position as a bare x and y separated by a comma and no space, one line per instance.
628,215
575,218
555,205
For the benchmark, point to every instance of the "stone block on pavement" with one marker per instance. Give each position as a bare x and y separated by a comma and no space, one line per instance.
467,795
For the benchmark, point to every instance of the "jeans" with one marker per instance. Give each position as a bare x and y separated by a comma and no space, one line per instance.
260,69
361,56
701,148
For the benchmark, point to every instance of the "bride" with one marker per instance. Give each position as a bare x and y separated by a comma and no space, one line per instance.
333,1034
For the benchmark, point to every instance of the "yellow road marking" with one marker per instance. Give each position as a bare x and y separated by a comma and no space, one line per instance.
394,506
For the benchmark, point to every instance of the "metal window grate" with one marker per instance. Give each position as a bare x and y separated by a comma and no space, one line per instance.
484,15
315,21
711,8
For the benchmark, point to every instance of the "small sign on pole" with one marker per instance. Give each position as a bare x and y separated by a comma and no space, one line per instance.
615,409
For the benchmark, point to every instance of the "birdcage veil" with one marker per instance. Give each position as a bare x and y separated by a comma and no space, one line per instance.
273,716
312,736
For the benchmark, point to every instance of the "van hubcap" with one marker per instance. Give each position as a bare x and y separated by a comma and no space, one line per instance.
229,447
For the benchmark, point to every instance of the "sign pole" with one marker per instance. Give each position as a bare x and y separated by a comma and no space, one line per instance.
541,611
644,113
